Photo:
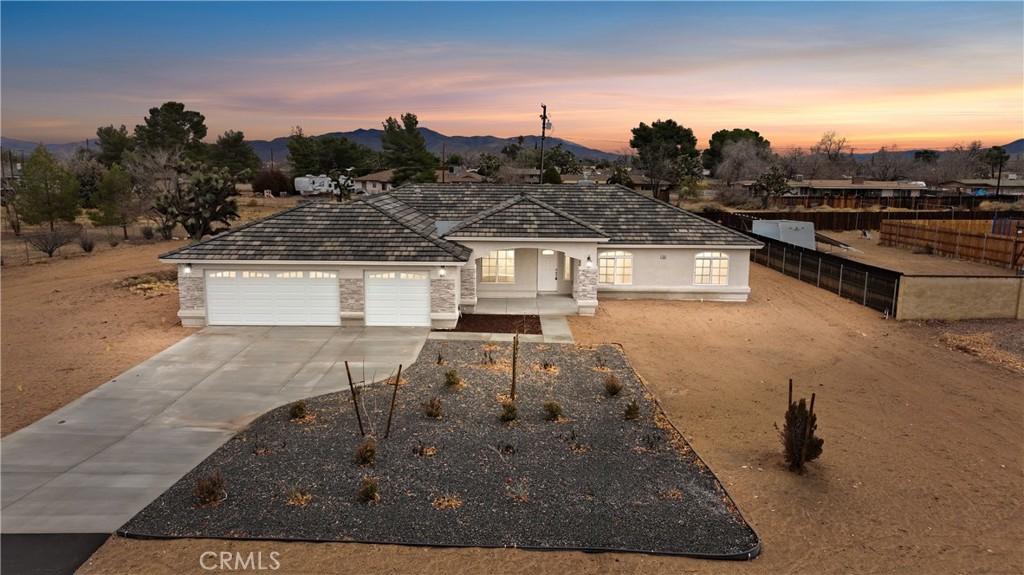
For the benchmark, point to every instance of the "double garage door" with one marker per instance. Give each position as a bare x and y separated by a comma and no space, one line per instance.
260,297
305,297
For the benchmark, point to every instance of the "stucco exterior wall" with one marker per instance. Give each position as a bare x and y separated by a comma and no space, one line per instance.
668,273
960,297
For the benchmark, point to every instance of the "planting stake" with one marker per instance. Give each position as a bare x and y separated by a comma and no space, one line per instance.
394,394
515,356
355,403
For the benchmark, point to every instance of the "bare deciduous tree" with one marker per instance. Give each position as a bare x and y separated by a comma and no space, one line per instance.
154,172
742,160
888,165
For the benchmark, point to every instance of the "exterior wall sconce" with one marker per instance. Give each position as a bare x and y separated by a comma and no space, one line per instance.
442,272
590,262
188,269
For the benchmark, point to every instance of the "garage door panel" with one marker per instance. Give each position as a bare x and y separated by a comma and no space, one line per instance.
397,298
254,297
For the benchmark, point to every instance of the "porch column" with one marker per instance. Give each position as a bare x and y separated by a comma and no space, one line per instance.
584,287
467,287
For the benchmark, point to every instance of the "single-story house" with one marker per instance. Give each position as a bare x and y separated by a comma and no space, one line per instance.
986,186
382,181
420,254
851,187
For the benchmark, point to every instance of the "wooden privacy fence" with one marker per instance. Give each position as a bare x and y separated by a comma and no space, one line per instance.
871,286
955,239
860,202
853,220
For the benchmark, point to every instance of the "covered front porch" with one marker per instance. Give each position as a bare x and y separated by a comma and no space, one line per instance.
553,278
542,305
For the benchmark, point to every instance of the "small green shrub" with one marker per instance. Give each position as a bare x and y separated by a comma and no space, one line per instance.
632,410
552,410
432,408
366,453
612,385
369,490
451,378
209,489
147,232
298,410
508,411
86,242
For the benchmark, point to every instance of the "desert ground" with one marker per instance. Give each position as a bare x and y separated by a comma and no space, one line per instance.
904,259
921,471
68,323
68,326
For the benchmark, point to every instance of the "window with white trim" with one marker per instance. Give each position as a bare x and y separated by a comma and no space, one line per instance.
412,275
222,274
615,268
567,268
498,267
711,269
255,275
381,275
289,275
323,275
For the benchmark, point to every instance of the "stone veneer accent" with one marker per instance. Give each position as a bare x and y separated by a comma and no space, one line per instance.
191,291
442,295
352,295
584,285
468,280
584,289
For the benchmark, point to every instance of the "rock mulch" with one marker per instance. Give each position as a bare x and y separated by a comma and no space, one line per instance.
591,480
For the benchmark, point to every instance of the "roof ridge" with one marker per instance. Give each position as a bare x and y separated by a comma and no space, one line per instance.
436,240
240,228
518,198
565,214
687,212
506,203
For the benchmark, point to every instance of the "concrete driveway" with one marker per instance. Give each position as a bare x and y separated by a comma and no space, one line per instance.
93,464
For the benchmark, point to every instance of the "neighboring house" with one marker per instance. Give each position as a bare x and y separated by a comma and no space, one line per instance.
852,187
986,186
381,181
421,253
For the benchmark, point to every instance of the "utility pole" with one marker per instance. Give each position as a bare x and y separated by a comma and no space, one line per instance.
444,168
543,133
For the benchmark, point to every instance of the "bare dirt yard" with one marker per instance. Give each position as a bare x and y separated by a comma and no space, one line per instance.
904,259
69,326
921,472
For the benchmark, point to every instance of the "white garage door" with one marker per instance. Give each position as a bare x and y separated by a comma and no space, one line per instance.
260,297
398,298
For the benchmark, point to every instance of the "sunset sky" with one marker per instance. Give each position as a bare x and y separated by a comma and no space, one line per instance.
909,75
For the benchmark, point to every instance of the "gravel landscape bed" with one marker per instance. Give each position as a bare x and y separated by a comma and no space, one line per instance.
591,480
489,323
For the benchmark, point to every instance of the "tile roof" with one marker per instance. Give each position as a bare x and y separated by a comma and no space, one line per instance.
361,230
401,225
524,216
624,215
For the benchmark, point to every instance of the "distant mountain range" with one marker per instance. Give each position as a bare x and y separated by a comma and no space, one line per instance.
436,142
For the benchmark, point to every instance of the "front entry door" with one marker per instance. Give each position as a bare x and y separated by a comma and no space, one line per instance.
547,271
